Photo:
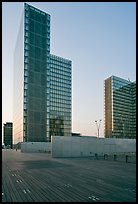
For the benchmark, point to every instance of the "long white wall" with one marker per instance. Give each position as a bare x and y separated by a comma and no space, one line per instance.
36,147
88,146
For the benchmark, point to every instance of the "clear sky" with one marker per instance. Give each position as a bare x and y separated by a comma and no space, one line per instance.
99,38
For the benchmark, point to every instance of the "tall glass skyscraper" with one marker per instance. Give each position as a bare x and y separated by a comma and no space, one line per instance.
120,108
42,82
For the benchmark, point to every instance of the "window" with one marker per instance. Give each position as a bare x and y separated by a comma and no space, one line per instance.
25,92
31,77
26,59
48,17
26,39
25,73
26,20
32,51
26,7
48,109
43,30
48,29
48,78
44,19
26,33
25,86
37,28
37,16
25,106
31,12
43,79
37,66
26,53
26,46
26,26
26,13
38,41
37,53
26,79
31,25
25,65
31,39
48,35
25,99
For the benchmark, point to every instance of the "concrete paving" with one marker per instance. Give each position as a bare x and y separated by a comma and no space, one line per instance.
37,177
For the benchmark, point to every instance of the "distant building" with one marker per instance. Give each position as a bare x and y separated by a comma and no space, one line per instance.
119,108
42,82
8,135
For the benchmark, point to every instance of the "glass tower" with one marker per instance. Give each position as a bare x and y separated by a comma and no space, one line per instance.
8,134
120,108
38,70
60,96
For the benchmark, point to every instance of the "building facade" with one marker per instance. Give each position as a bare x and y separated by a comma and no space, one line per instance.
119,108
60,96
37,95
8,135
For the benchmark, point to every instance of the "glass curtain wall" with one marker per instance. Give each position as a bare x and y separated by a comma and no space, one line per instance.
36,74
60,96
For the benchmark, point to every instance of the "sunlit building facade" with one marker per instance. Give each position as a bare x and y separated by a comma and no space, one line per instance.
34,68
119,108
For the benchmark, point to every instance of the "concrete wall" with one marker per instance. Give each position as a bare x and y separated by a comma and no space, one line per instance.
36,147
88,146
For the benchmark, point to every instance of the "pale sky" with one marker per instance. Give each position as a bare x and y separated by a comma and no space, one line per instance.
99,38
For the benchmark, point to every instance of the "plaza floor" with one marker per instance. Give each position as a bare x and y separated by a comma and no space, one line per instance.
37,177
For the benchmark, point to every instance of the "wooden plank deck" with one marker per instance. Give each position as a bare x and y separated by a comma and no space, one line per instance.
36,177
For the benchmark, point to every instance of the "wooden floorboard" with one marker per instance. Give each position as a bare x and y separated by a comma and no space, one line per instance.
37,177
